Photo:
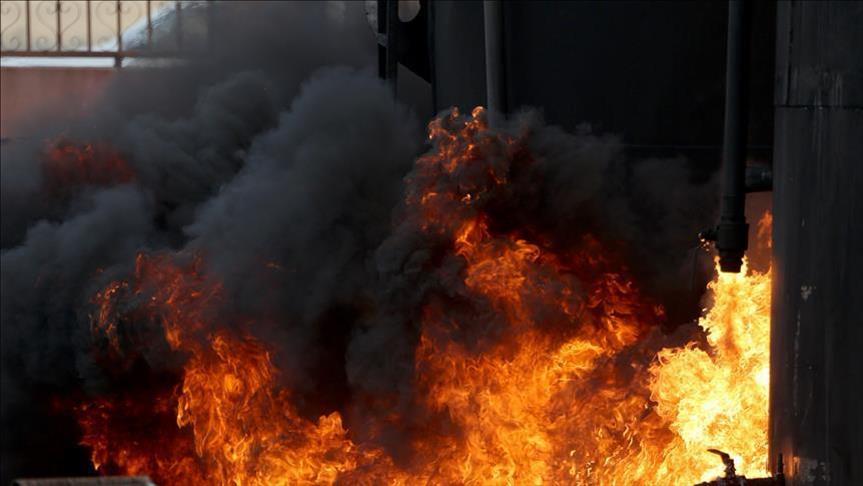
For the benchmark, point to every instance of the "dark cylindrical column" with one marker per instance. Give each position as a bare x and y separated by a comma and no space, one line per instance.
494,70
816,342
392,44
731,234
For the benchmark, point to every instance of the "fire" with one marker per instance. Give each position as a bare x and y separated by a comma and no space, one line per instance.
717,398
532,369
240,427
70,165
765,225
522,400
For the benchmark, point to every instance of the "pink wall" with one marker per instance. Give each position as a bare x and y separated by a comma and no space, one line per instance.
34,92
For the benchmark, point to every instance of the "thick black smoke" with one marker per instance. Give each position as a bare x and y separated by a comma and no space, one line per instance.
313,202
186,132
284,163
561,187
185,127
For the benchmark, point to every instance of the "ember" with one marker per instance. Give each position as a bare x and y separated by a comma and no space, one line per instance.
533,368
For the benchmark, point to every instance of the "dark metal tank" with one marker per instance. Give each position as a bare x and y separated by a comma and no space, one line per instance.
816,413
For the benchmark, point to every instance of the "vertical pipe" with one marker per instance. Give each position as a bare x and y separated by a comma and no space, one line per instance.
732,232
118,61
392,44
494,70
149,25
27,6
59,28
119,27
89,28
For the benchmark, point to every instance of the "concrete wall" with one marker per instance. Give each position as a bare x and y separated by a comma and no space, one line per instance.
31,93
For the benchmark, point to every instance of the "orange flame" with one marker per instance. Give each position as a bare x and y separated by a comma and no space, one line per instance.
68,165
765,228
540,376
243,427
717,398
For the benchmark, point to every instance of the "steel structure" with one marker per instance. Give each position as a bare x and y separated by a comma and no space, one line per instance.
816,409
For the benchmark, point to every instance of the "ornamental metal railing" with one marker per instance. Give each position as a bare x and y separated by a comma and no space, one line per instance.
115,29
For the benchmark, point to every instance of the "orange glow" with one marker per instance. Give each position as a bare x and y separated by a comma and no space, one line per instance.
540,374
717,398
68,165
765,228
240,427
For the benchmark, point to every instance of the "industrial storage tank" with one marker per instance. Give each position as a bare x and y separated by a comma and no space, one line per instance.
817,328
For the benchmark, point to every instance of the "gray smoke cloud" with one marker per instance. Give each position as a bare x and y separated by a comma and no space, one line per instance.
284,163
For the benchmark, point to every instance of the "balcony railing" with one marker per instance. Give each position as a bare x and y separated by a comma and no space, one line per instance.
116,29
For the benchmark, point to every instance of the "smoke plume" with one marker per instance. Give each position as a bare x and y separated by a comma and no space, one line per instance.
281,161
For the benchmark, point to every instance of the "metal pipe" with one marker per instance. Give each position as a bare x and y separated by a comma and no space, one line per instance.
59,27
392,44
119,8
732,232
494,63
149,7
27,25
118,61
89,28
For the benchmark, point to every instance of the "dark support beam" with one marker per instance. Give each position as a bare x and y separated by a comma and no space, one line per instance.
59,9
392,65
149,8
118,61
27,20
89,28
494,62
